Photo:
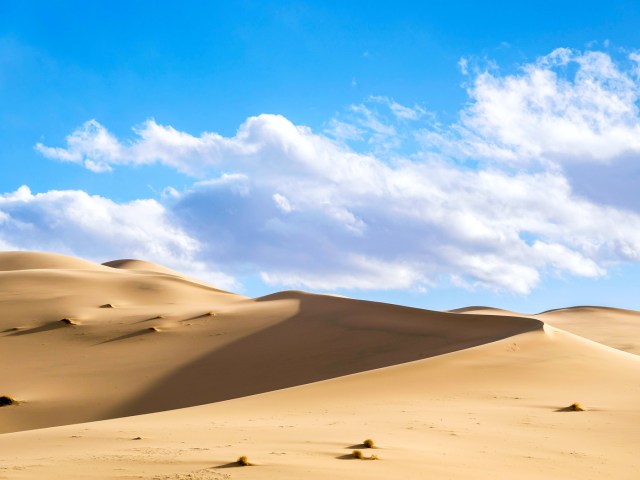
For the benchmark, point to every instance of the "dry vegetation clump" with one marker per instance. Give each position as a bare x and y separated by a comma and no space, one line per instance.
68,321
210,314
575,407
107,305
6,400
243,461
359,455
153,329
368,443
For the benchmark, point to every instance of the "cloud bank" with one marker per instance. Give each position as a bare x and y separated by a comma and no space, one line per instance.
385,197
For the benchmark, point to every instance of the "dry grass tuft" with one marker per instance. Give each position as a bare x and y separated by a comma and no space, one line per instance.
575,407
68,321
374,457
210,314
357,454
368,443
6,400
153,329
243,461
107,305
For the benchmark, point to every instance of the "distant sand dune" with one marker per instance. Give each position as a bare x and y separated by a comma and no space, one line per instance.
35,260
615,327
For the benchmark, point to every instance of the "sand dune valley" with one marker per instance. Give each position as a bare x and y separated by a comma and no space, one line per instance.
130,370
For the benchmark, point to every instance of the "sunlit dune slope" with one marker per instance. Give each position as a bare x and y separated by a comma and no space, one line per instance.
491,411
615,327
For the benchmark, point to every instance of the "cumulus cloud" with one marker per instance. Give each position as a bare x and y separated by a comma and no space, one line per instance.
97,228
567,107
488,201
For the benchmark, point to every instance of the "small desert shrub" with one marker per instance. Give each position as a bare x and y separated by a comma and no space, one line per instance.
368,443
243,461
106,305
373,457
68,321
357,454
153,329
210,314
576,407
6,400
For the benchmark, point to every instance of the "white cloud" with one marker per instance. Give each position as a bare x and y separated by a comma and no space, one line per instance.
282,202
310,211
93,227
365,273
463,65
545,113
401,112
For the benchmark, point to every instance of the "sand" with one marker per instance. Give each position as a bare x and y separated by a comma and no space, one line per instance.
615,327
296,381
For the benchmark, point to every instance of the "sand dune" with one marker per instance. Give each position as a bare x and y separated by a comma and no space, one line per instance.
110,363
485,412
295,381
615,327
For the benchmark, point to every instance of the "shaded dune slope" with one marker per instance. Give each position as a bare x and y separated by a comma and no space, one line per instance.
327,337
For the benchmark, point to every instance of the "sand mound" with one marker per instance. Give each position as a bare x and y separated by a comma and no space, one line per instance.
487,311
129,264
141,266
11,261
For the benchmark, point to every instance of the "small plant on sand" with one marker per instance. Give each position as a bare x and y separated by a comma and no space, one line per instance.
243,461
6,400
106,305
357,454
373,457
153,329
576,407
68,321
368,443
210,314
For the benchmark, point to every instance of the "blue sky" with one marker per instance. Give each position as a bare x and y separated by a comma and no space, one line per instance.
436,155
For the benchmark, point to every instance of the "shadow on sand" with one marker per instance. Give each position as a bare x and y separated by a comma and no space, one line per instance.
329,337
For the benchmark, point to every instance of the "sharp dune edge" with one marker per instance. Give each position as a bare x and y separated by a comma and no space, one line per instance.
296,381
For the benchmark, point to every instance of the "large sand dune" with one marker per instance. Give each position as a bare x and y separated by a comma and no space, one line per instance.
294,381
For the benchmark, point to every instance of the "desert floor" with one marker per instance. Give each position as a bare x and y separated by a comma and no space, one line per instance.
130,370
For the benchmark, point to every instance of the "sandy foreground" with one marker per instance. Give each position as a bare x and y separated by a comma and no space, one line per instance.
296,381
